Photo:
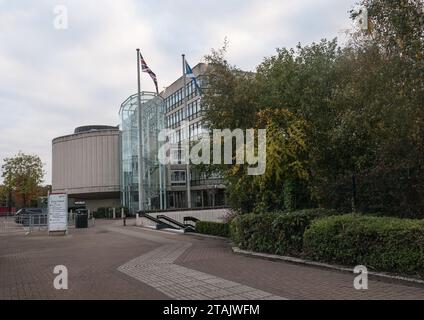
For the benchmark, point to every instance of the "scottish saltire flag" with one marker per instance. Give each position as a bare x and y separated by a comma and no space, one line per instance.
145,68
190,74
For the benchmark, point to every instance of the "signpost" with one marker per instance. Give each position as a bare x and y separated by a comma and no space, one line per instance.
58,213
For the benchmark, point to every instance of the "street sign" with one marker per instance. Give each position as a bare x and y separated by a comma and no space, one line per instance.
58,212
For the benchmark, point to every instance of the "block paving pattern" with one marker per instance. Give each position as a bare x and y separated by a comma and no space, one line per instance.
101,265
157,269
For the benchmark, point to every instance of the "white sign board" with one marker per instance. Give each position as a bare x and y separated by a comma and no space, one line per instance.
58,212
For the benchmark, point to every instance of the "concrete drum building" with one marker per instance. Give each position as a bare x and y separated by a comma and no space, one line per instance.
85,165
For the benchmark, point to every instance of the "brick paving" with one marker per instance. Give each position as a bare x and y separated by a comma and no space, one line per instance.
286,279
95,259
91,256
157,269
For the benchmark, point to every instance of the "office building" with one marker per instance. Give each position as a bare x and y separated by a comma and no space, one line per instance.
165,186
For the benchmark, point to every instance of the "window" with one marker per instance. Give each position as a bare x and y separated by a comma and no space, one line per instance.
195,130
178,177
190,89
194,109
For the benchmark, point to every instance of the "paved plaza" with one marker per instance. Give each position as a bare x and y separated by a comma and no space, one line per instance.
110,261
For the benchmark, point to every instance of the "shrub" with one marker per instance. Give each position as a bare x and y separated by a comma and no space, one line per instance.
389,191
213,228
100,213
107,213
119,209
276,233
380,243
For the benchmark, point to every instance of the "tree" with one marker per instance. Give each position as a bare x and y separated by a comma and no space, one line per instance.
3,196
395,26
233,100
358,112
22,175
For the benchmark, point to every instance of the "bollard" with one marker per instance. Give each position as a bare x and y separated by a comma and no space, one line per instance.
114,213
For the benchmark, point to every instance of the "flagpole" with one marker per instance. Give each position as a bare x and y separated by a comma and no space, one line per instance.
140,140
187,157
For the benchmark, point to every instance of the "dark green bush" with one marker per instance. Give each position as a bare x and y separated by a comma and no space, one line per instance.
276,233
396,192
119,209
107,213
213,228
100,213
380,243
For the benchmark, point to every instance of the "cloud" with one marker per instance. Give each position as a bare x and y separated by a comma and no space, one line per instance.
52,81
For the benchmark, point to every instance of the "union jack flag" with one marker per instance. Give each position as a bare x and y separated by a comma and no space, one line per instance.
145,68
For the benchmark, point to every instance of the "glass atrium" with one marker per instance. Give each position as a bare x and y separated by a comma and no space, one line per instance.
153,172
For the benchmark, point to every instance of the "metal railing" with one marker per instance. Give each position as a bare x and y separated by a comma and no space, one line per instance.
35,221
8,225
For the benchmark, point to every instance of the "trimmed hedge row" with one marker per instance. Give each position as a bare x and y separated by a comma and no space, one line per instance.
100,213
380,243
275,233
106,213
213,228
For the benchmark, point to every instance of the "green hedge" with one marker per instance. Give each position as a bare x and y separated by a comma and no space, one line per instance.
213,228
380,243
107,213
275,233
100,213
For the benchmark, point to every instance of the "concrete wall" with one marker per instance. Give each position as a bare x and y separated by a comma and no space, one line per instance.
94,204
213,215
87,162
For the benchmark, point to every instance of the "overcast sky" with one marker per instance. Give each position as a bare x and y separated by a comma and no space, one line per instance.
53,80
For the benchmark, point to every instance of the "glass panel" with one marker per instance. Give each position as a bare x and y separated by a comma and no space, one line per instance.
153,120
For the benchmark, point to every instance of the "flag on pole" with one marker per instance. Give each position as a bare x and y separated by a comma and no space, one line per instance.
145,68
190,74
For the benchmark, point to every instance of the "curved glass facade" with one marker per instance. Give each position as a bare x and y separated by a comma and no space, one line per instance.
152,172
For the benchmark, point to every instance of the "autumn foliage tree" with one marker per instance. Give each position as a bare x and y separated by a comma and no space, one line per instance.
345,124
22,176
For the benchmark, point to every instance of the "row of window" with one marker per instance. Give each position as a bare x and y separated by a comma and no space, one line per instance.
193,109
191,112
179,176
177,136
174,120
195,129
176,99
191,90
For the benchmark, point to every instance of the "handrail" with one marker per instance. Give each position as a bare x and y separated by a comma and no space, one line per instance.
171,220
157,221
193,219
186,209
181,225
